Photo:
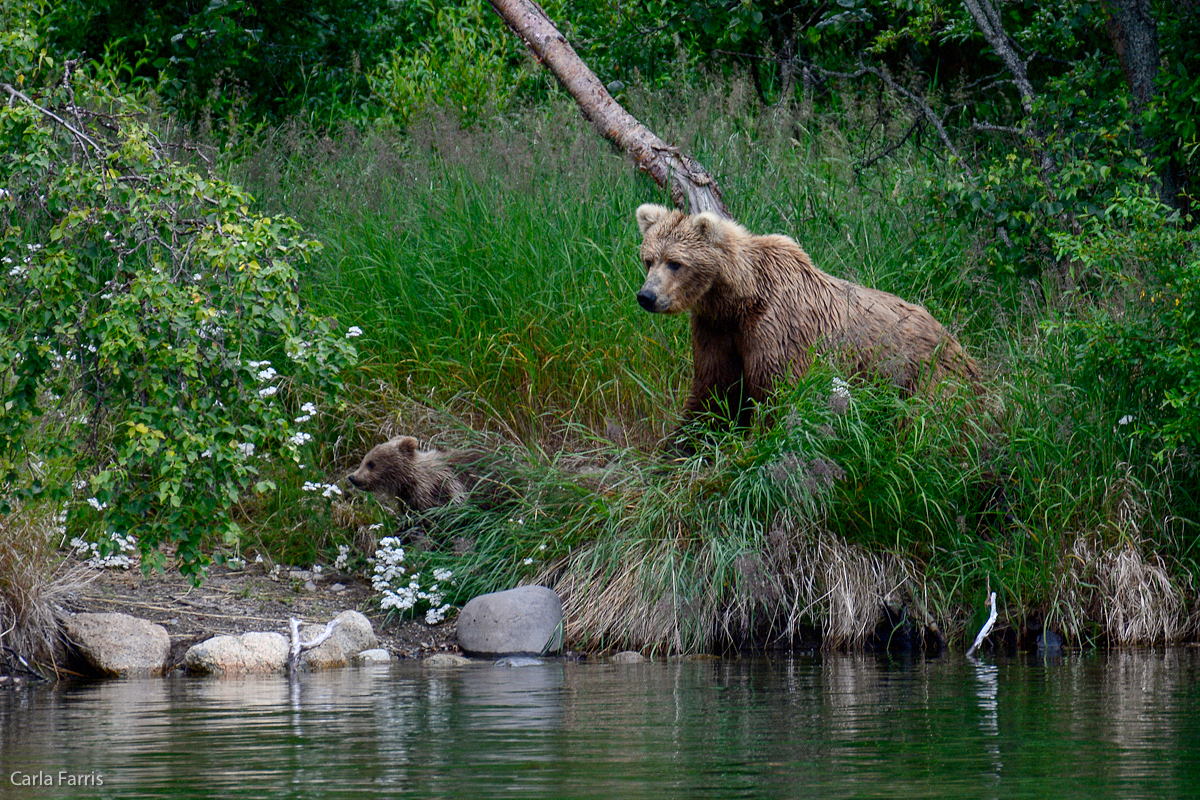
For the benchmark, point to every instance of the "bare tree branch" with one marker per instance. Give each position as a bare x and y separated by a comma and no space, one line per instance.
990,25
992,28
78,134
918,103
691,187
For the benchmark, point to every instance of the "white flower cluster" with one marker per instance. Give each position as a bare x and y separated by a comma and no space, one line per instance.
403,591
326,489
120,558
342,557
308,410
22,269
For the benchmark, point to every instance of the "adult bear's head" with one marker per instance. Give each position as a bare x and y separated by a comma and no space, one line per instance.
688,257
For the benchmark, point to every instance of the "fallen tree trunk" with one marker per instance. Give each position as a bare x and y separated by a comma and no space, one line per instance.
692,188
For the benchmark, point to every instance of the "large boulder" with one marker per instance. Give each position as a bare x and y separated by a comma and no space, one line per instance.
250,652
118,644
352,636
526,620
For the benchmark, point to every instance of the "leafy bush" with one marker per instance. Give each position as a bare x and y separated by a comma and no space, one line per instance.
1140,345
221,60
469,63
156,355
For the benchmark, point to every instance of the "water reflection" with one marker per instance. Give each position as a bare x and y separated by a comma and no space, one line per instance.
1124,725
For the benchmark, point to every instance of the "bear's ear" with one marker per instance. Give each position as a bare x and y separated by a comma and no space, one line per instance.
407,445
648,214
711,227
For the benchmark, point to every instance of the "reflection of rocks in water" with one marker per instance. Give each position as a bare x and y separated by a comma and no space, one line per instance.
530,697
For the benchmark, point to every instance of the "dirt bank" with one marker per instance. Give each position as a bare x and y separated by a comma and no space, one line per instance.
253,599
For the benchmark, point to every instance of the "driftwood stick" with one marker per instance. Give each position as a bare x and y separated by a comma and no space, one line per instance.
299,647
987,626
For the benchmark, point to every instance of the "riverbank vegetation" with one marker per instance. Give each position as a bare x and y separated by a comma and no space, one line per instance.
220,291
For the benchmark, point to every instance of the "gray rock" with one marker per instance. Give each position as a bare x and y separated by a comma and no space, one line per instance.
627,657
375,655
446,660
250,652
518,661
118,644
526,620
353,635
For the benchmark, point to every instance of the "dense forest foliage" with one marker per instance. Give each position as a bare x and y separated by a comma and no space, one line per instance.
239,235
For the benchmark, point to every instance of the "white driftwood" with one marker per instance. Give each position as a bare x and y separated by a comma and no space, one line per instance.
299,647
987,626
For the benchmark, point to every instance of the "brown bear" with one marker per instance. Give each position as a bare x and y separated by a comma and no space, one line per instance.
425,479
760,311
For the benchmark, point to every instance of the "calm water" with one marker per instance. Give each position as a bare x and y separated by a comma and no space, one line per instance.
1097,726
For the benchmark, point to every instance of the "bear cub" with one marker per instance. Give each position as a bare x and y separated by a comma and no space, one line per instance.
760,311
421,480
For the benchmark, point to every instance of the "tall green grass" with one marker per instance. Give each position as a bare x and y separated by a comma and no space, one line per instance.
493,272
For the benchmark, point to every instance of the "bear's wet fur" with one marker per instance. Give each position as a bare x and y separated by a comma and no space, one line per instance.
760,311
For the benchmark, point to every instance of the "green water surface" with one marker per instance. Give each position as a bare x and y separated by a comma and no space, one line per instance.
1121,725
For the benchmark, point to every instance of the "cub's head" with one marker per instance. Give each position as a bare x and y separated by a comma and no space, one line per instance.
388,468
684,256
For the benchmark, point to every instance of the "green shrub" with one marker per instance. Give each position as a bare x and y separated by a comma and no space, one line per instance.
1141,344
156,356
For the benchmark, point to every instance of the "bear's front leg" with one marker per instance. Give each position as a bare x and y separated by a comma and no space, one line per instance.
717,386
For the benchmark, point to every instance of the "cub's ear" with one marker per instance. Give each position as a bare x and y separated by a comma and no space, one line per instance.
648,214
711,227
405,444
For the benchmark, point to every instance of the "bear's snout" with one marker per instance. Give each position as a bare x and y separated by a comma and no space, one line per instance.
647,300
353,480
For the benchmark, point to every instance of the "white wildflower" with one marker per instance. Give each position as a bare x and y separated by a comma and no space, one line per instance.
300,439
268,391
308,410
353,331
331,490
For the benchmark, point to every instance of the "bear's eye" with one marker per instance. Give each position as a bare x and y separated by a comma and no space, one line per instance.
674,266
649,263
370,465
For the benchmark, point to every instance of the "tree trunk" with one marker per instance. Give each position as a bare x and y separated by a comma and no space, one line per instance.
1134,34
1133,31
691,187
